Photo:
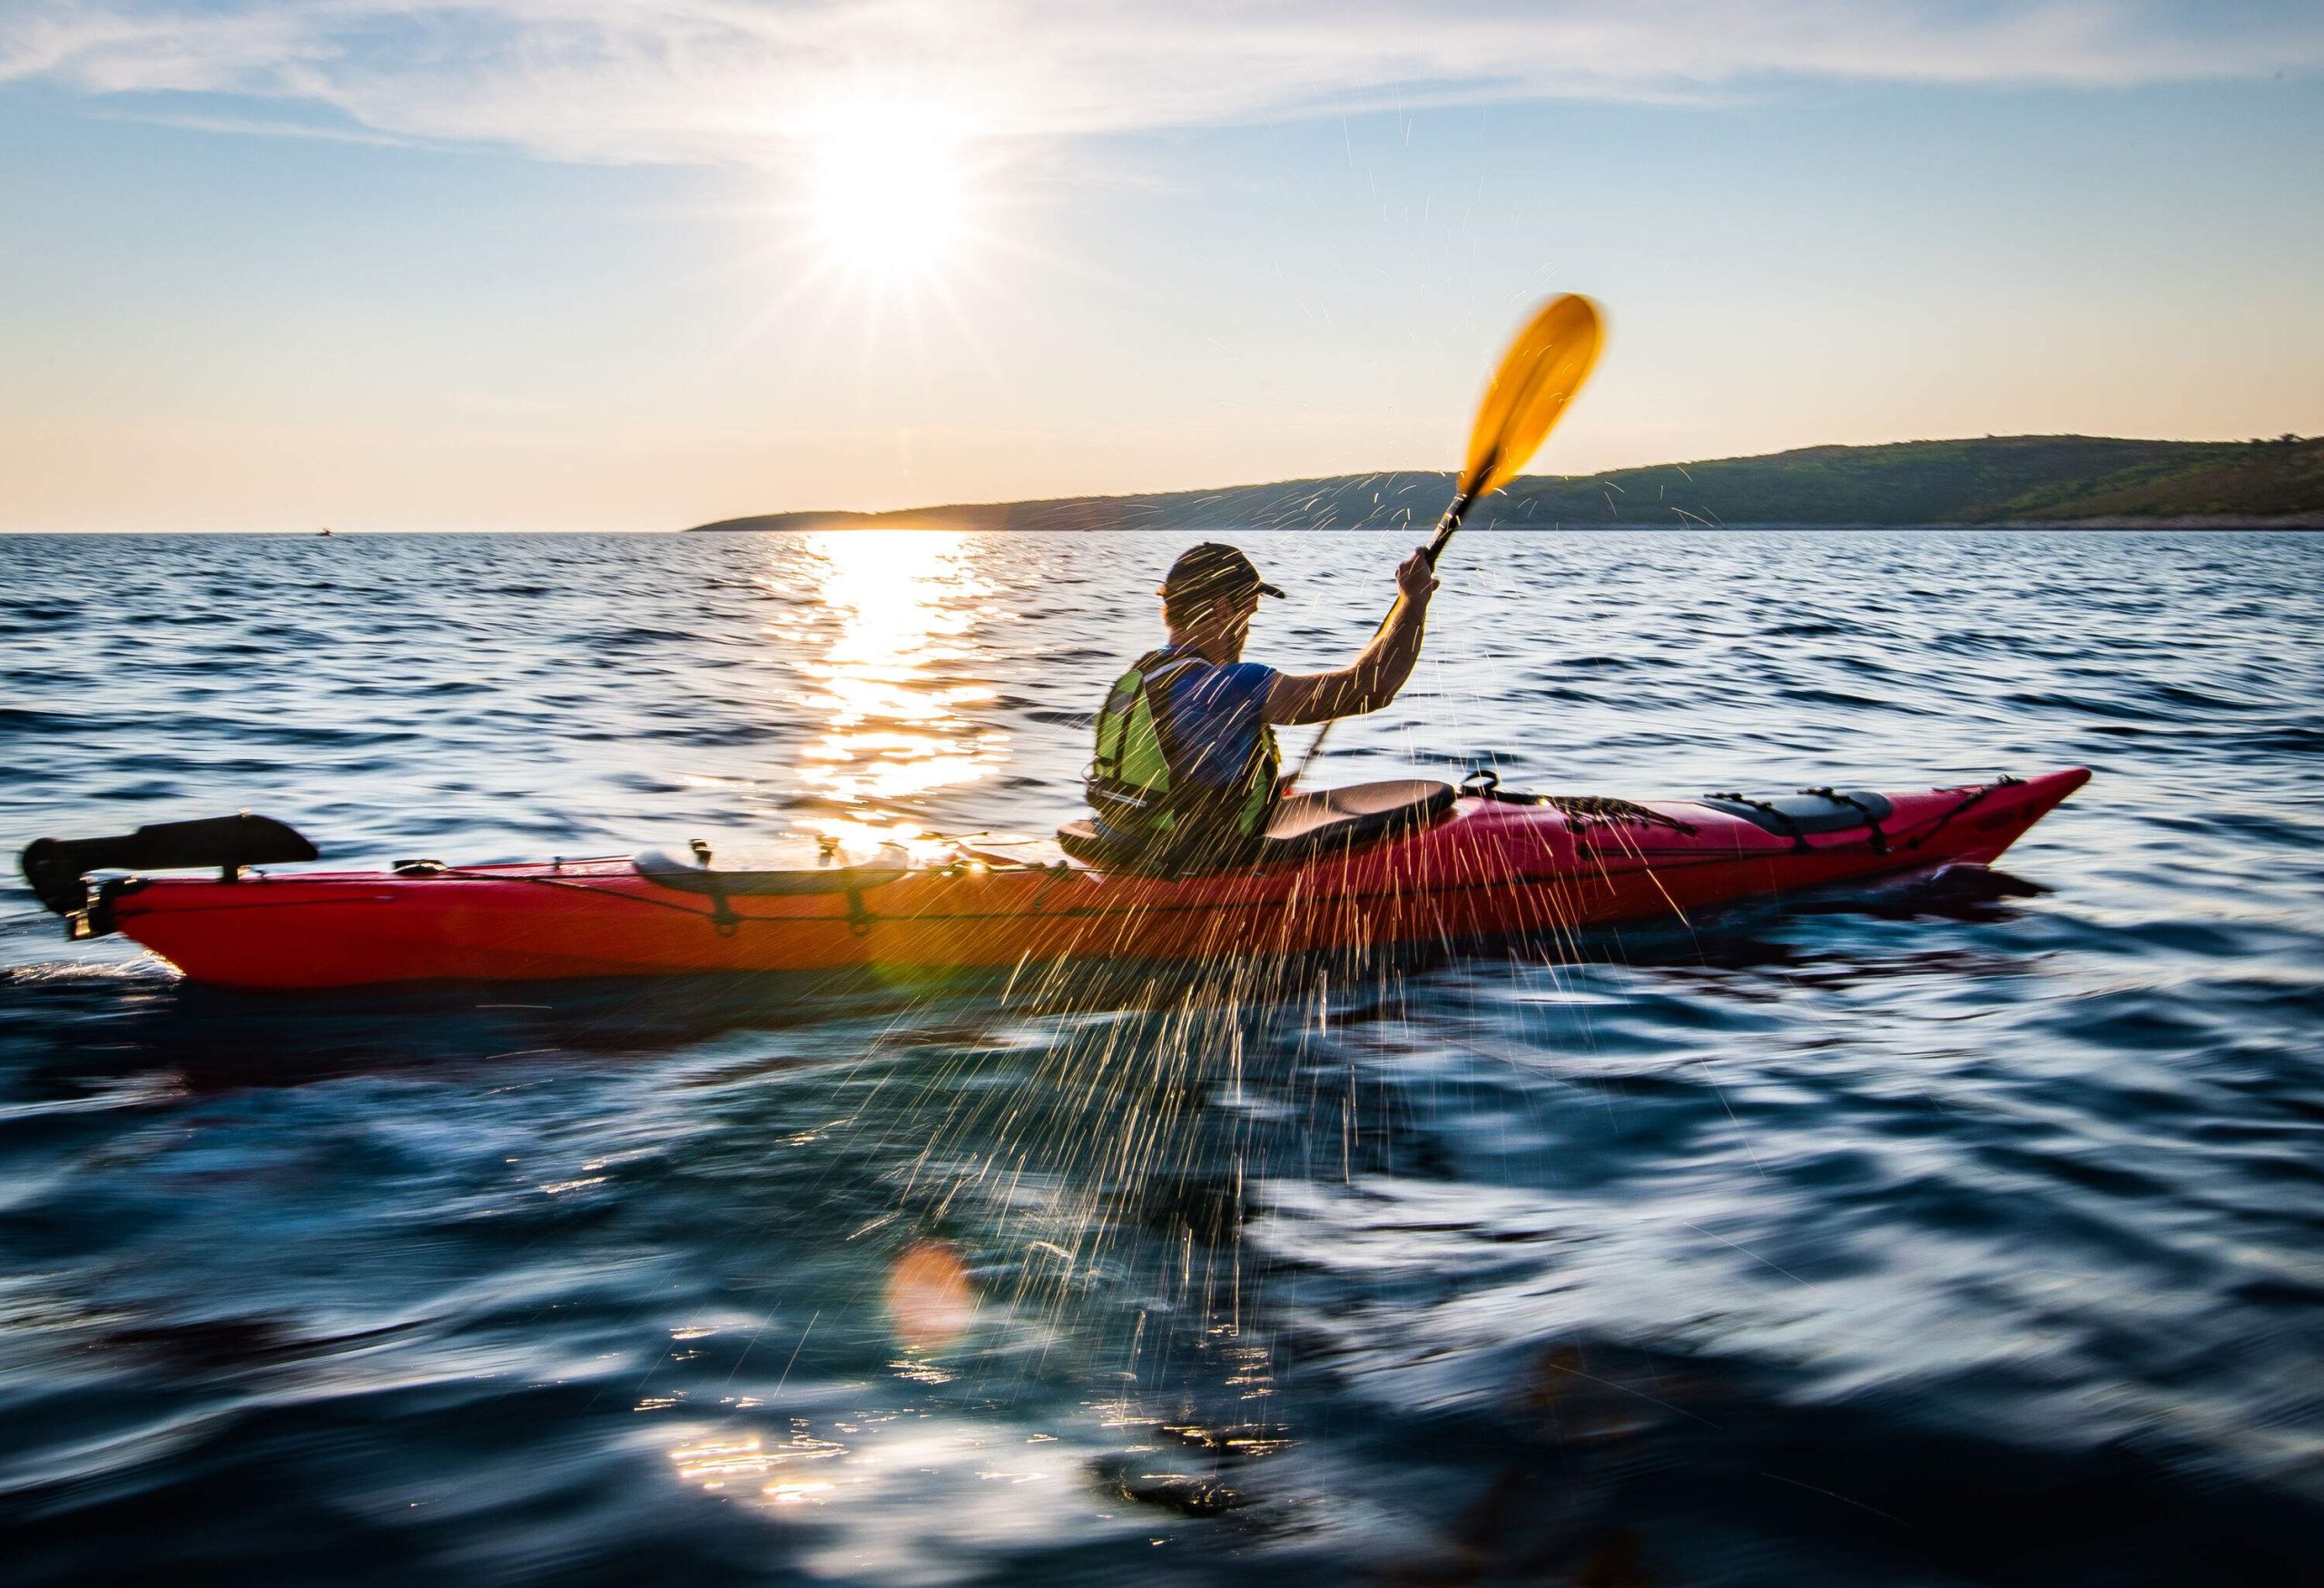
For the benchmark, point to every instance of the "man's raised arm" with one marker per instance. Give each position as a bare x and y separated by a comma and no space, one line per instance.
1372,679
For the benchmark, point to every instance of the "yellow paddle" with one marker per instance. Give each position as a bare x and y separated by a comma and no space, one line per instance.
1538,376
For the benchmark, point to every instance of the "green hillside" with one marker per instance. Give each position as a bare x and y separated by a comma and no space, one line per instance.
1998,479
1993,479
2283,477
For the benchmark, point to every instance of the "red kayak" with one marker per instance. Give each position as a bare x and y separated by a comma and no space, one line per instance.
1374,865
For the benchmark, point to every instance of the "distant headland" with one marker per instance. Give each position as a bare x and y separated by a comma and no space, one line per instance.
2090,481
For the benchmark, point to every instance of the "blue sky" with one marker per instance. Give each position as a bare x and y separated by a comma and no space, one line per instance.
569,263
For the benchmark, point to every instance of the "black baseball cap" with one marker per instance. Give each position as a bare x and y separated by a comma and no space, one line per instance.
1213,572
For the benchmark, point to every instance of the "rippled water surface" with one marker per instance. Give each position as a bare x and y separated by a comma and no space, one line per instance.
1970,1231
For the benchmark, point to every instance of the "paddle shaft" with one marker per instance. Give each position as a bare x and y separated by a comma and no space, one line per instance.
1455,512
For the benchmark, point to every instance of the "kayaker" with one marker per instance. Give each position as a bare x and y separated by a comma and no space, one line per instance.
1187,771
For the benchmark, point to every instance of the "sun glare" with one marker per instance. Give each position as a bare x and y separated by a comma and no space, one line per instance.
887,195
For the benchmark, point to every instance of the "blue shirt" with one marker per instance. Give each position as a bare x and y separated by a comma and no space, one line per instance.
1216,714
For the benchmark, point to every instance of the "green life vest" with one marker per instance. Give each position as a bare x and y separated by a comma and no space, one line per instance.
1140,786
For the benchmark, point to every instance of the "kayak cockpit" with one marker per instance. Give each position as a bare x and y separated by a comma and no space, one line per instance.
1304,827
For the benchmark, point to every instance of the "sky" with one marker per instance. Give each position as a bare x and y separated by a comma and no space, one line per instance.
635,264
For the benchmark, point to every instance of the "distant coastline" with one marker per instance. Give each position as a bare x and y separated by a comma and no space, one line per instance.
2049,482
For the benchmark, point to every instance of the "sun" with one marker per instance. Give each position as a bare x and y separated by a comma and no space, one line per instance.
887,194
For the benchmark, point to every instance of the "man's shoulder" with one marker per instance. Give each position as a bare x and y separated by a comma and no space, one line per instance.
1221,682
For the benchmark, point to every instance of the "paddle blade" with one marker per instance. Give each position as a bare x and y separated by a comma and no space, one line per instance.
1538,376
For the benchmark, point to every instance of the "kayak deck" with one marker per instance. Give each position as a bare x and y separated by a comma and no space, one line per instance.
1492,867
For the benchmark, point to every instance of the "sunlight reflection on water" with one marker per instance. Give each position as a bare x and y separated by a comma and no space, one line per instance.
895,713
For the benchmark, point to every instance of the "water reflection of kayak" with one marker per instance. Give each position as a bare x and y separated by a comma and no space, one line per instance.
1378,865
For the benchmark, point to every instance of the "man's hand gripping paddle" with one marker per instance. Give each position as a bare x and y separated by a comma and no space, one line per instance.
1538,376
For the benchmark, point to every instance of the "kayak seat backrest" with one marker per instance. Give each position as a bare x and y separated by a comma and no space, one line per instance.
686,873
1305,826
1358,814
1807,813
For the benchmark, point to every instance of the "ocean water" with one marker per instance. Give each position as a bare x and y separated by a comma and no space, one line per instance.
1961,1231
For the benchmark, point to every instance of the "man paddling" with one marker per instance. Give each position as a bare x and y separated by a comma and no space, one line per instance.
1187,771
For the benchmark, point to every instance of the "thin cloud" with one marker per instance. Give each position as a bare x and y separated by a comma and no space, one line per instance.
741,80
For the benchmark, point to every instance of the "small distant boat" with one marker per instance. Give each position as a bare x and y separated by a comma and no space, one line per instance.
324,531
